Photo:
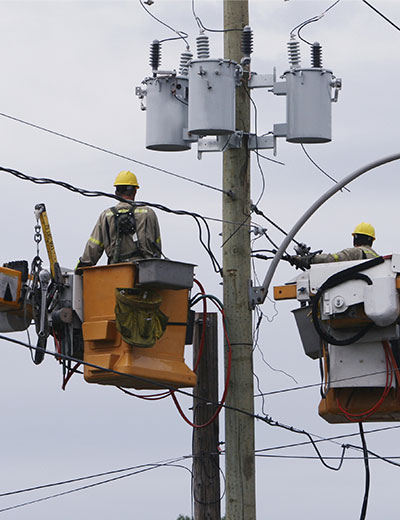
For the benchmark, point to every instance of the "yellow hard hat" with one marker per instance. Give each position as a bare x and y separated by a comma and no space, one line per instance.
364,229
126,178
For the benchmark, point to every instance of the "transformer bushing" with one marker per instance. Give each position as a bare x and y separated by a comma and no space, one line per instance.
309,105
167,113
212,97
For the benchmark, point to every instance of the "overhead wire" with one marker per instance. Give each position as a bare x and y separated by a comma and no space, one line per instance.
381,14
89,486
331,439
319,167
90,193
110,152
267,420
202,27
313,19
181,34
95,475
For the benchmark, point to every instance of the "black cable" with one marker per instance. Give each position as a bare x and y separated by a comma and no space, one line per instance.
84,143
256,134
259,212
301,26
88,486
352,273
88,477
202,27
313,385
367,473
333,439
89,193
266,419
319,167
270,159
181,34
381,14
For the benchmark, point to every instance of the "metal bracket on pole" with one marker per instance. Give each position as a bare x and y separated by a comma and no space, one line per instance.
261,80
262,142
256,295
220,143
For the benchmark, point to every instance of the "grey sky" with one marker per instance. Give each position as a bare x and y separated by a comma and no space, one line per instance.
72,66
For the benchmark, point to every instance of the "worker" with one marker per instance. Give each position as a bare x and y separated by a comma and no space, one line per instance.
125,232
363,237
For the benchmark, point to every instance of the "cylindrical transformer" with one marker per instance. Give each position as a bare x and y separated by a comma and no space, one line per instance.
308,105
212,97
167,113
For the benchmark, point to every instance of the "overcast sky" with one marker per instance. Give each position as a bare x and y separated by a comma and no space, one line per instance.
72,67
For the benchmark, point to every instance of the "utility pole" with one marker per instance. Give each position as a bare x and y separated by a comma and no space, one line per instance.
206,481
239,428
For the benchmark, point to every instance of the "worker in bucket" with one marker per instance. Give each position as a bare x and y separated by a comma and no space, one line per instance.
363,237
125,232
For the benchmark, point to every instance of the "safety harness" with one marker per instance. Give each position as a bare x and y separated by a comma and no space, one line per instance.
125,224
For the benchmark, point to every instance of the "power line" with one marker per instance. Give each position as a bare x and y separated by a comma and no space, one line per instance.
89,486
181,34
90,193
202,27
301,26
313,385
381,14
96,475
319,167
105,150
268,420
328,439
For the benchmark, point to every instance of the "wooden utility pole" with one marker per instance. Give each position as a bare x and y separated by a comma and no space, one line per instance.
206,482
239,428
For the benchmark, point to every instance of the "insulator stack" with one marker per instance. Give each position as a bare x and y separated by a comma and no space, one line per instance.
155,54
316,55
294,53
203,47
183,64
247,41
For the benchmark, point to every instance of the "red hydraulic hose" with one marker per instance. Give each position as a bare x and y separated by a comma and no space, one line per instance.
227,378
359,417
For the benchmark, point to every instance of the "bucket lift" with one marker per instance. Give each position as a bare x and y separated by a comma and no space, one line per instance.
348,319
156,367
78,311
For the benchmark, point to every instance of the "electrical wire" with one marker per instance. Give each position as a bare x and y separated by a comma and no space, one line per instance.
381,14
88,477
203,28
311,20
269,158
256,134
266,419
105,150
257,211
89,193
367,474
180,34
89,486
319,167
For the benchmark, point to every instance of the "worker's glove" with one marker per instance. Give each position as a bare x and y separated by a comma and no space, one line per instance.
80,264
301,262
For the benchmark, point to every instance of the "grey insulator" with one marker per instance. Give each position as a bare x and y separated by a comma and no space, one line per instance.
203,47
155,54
247,41
294,53
183,64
